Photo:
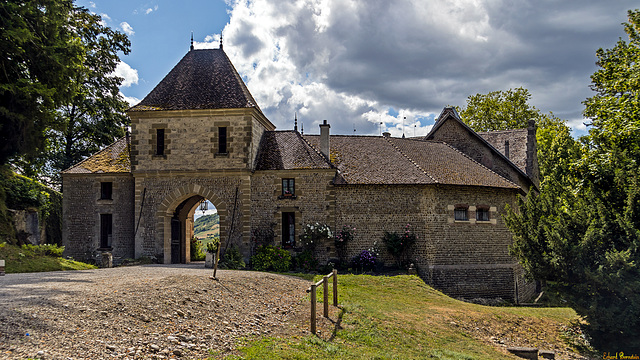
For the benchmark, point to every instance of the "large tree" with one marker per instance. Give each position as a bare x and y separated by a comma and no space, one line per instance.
39,55
581,234
91,114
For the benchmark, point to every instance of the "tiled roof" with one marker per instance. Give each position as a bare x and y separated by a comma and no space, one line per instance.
113,159
287,150
379,160
203,79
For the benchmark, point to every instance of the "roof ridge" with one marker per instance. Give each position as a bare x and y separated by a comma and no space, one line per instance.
94,154
411,160
481,165
326,158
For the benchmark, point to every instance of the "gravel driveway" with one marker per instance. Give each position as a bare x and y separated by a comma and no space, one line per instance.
145,312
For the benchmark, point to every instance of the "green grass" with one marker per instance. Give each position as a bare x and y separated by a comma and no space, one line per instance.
401,317
32,259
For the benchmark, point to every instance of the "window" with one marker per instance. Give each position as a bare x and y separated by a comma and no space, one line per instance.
105,231
106,189
461,213
482,213
159,141
288,230
222,140
288,187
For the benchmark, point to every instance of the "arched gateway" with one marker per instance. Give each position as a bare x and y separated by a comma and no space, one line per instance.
175,218
200,134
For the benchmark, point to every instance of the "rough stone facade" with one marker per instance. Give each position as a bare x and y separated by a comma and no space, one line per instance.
374,184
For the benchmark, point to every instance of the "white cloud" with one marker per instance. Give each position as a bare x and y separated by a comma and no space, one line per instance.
127,28
150,10
130,99
92,4
103,19
129,74
354,62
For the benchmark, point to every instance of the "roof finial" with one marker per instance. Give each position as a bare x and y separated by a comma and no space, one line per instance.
302,129
191,48
295,123
220,40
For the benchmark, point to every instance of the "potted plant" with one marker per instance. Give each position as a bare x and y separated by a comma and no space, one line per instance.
212,248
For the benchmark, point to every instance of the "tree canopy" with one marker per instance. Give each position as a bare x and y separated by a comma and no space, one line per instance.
581,234
70,108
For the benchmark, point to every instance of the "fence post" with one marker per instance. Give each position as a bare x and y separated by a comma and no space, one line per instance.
325,295
335,287
313,309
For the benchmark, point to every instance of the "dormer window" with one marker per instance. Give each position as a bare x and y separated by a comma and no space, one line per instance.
288,187
461,213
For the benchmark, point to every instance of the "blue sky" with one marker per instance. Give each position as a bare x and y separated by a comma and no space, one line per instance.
360,62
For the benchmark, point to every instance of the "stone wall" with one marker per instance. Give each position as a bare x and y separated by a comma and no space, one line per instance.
191,139
81,209
28,223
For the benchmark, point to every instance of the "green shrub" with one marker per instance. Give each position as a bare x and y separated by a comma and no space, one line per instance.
305,261
269,257
212,247
314,234
232,259
196,250
52,250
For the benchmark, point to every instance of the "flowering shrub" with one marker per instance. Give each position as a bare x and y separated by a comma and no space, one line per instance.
269,257
366,260
313,234
345,235
398,245
305,261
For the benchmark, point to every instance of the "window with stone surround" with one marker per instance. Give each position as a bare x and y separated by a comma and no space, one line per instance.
482,213
160,142
106,190
288,187
288,230
222,140
461,212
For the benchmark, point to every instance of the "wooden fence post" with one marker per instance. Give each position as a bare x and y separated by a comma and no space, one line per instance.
335,287
325,295
313,309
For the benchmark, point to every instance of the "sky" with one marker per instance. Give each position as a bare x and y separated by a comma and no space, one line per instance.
357,63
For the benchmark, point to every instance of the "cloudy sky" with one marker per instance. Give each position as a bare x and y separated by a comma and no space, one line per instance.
361,62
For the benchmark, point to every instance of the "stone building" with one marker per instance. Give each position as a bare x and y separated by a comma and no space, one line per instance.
199,134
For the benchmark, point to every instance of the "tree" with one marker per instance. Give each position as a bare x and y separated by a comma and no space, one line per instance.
506,110
94,115
581,234
39,55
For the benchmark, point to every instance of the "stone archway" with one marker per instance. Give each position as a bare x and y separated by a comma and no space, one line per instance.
174,211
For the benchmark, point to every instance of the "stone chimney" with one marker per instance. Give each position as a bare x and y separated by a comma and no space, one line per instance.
325,143
532,154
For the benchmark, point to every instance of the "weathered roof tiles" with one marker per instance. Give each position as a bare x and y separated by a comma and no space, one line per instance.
113,159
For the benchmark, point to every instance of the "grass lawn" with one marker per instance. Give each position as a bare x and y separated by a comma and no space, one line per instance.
401,317
32,259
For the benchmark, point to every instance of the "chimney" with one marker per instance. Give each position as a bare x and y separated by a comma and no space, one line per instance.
325,144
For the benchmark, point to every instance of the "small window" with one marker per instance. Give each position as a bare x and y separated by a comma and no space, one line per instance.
482,213
105,231
222,140
106,189
288,187
159,141
461,213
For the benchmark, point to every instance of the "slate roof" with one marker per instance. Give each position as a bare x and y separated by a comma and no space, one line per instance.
287,150
203,79
379,160
113,159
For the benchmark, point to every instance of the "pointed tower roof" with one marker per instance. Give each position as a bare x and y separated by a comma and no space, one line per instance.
203,79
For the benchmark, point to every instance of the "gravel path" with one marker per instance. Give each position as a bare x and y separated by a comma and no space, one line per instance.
145,312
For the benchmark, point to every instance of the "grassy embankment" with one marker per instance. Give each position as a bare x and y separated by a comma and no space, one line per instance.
403,318
36,259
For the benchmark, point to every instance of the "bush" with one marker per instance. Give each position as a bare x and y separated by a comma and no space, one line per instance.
196,250
271,258
305,261
212,247
45,249
232,259
313,234
366,260
398,245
